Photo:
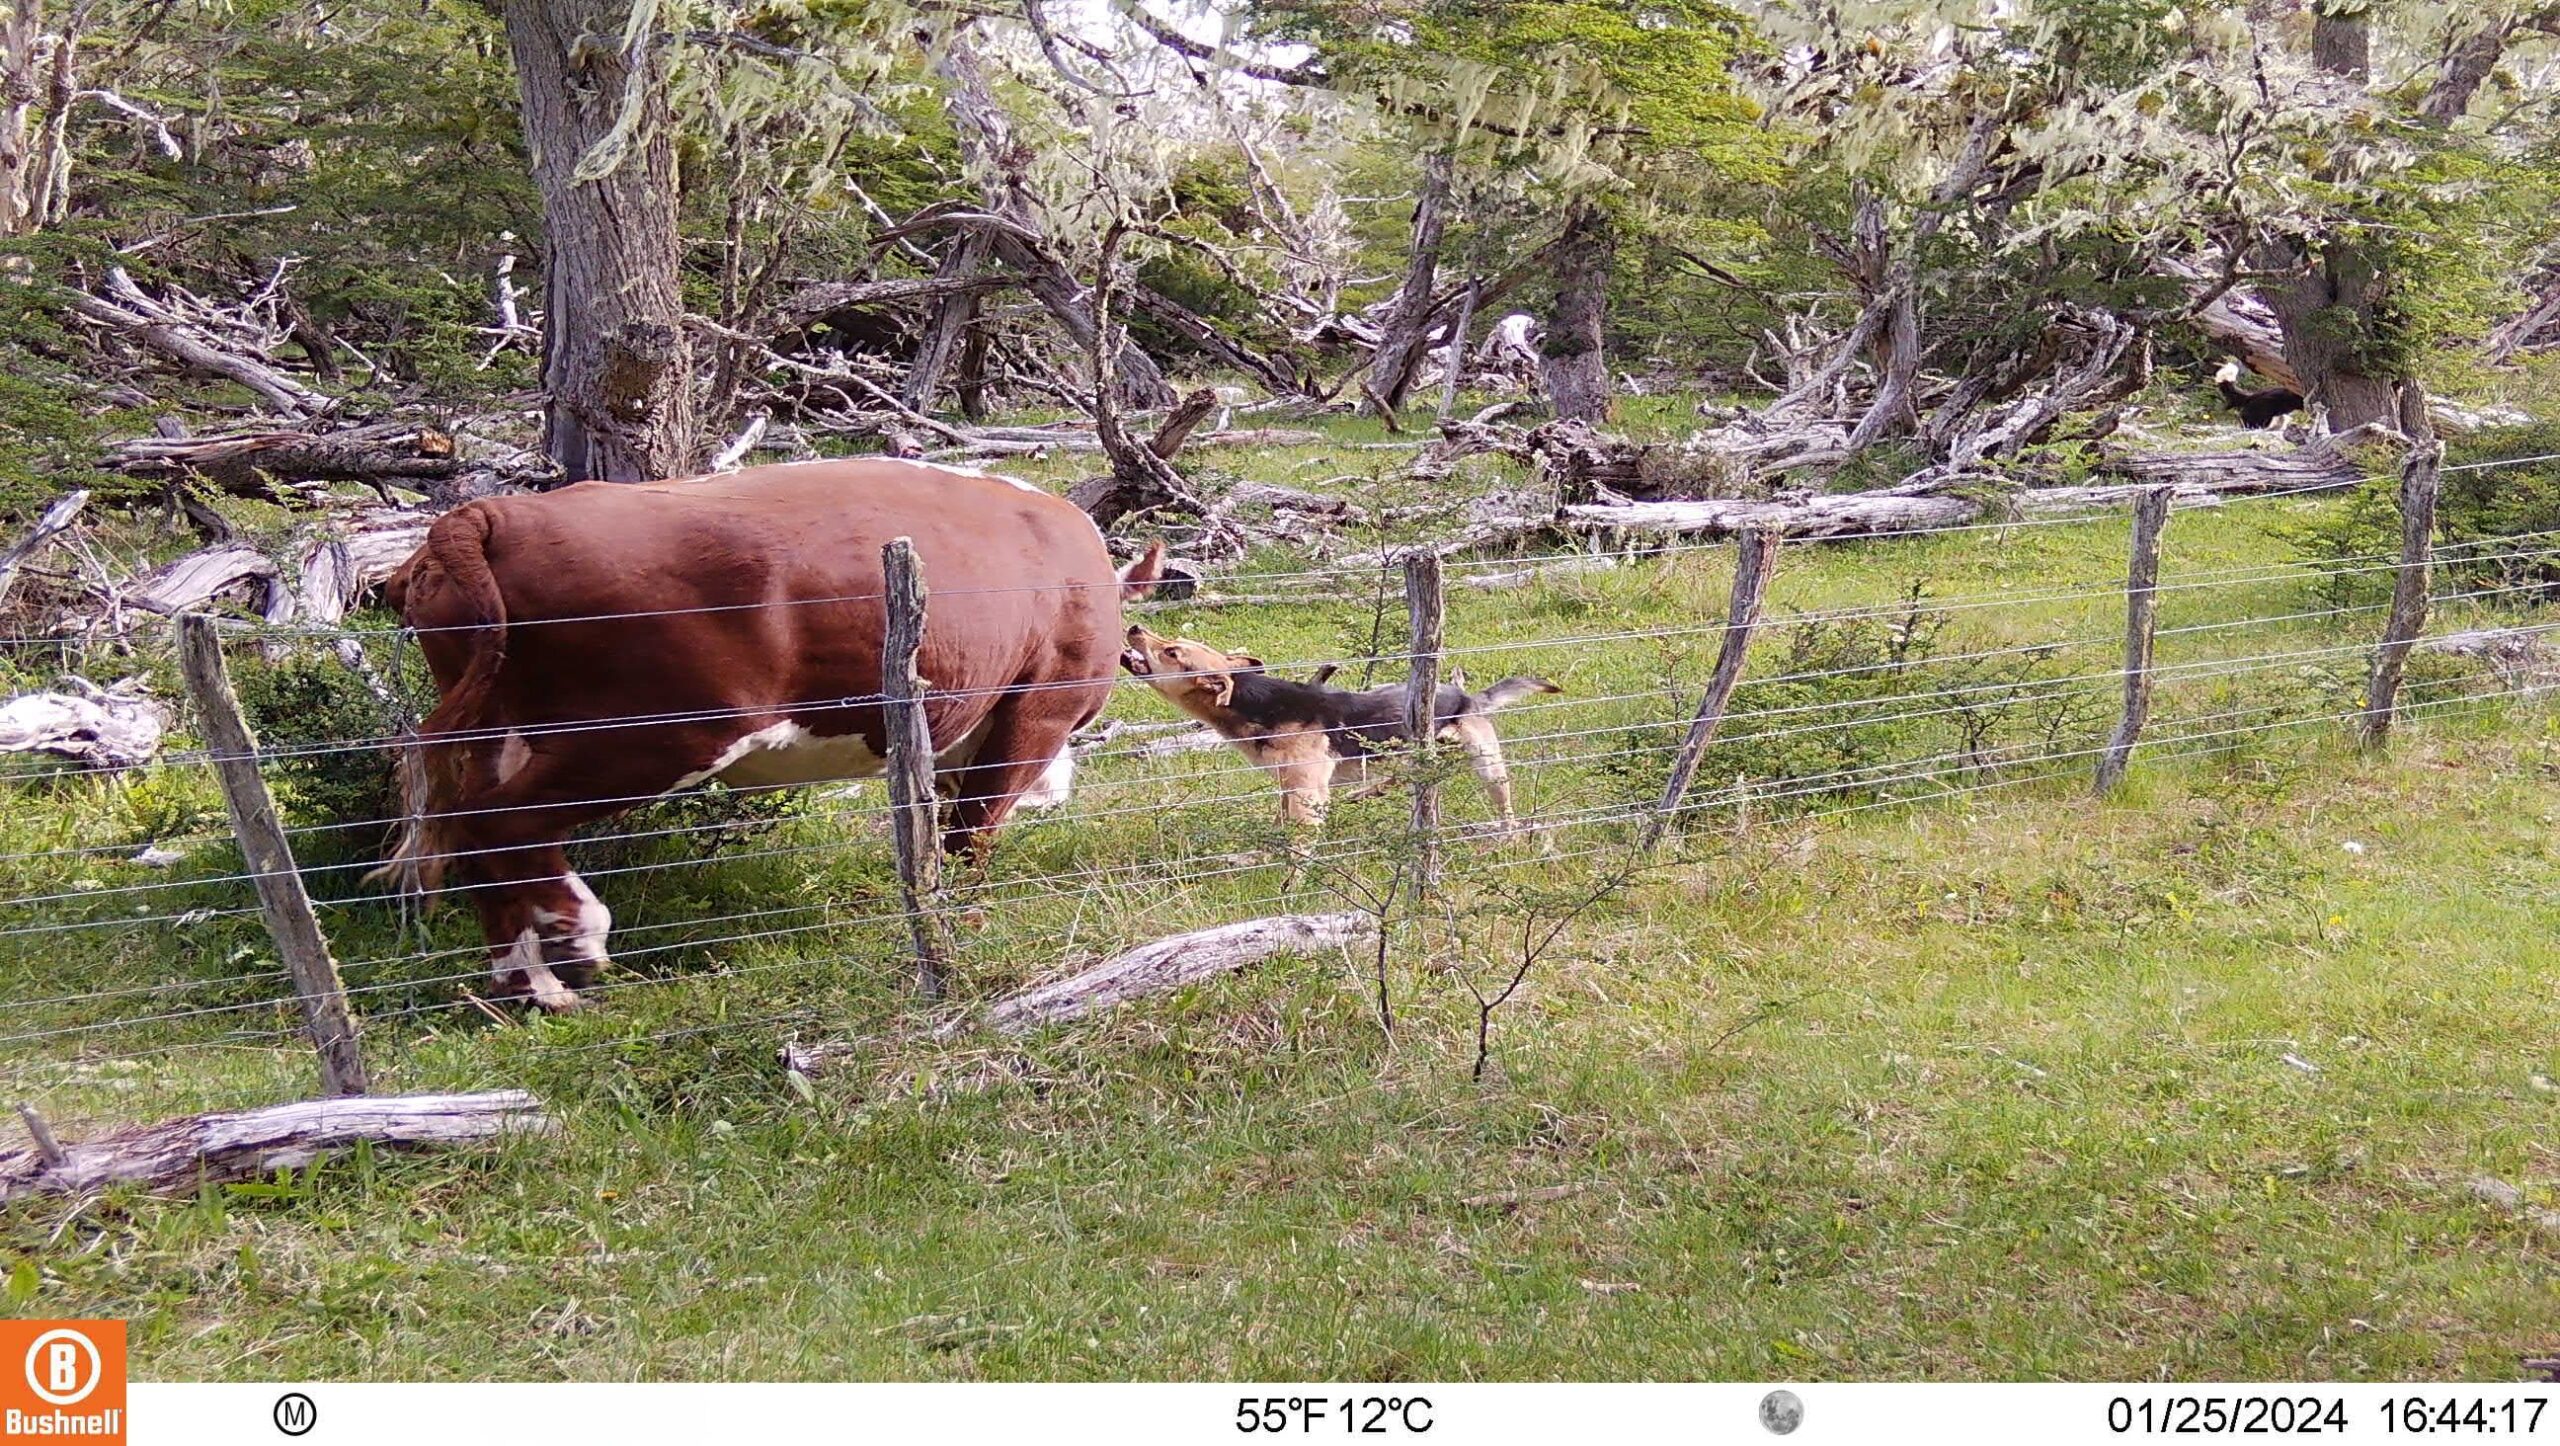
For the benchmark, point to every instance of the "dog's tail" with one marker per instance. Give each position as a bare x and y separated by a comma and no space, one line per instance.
1509,691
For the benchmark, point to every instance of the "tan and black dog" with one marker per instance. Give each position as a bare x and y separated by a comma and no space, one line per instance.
1309,737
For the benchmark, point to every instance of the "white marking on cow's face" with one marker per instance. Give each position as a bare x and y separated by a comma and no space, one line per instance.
787,753
1055,784
513,754
543,985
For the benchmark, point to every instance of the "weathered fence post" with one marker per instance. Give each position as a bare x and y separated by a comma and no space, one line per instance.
2141,621
1756,556
2421,482
914,829
1425,604
281,897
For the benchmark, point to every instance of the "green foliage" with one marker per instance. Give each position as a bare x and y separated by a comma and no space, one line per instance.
1849,704
2479,506
1210,208
322,140
52,419
306,706
1571,90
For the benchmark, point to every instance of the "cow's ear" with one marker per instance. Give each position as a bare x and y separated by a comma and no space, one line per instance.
1221,688
1251,663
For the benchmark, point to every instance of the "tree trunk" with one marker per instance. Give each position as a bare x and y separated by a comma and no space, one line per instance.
2459,72
616,361
21,38
2341,41
2329,308
1571,361
1408,329
972,384
2326,311
950,320
1002,161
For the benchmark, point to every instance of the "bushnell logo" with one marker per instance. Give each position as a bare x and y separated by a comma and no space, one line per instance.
61,1380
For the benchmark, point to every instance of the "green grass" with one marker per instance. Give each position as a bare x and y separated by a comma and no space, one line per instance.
1859,1083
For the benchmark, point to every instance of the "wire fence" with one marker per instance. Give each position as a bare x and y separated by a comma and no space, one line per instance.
761,889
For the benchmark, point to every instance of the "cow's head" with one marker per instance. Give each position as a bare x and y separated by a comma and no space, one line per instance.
1193,676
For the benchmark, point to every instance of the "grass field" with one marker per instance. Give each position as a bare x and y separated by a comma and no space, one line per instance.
1905,1069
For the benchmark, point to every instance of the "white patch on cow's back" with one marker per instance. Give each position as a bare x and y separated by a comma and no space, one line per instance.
1055,784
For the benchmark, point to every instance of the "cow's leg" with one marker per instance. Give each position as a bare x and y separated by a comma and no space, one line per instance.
544,945
546,929
1023,750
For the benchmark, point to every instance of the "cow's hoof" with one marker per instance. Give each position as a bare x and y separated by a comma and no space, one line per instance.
544,992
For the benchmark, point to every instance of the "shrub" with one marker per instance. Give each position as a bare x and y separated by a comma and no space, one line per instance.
2481,505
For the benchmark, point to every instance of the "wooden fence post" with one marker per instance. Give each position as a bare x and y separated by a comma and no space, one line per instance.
2141,623
1425,604
1756,557
914,820
281,897
2421,483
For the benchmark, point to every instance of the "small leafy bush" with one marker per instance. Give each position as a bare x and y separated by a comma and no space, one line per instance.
2481,507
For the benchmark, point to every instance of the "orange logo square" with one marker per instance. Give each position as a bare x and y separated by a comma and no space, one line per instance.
61,1380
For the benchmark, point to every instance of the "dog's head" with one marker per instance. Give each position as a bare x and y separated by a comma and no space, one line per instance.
1192,674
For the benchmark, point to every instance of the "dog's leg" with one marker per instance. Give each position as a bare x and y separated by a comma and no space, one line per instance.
1303,767
1353,773
1306,791
1484,754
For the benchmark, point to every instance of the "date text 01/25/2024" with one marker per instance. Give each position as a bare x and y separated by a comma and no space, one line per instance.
2308,1415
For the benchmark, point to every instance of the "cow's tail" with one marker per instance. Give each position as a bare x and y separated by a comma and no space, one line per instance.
447,587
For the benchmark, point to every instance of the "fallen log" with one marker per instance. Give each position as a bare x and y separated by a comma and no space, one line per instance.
111,727
1523,576
183,343
1181,422
2239,320
246,1144
199,577
337,572
2195,479
815,303
1153,968
1854,515
1172,963
57,518
2520,658
248,463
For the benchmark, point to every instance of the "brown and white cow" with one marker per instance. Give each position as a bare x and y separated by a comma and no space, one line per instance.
606,643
